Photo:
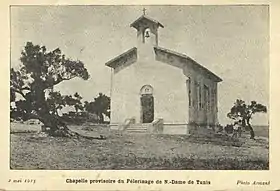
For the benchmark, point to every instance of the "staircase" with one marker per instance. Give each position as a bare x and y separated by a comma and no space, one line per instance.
139,128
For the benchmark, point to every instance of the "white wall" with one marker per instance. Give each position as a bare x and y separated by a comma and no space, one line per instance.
168,82
198,114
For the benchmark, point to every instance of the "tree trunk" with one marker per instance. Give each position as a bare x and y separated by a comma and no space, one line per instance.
101,118
76,109
239,131
55,127
252,133
243,122
53,124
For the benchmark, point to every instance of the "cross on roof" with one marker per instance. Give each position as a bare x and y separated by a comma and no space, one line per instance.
144,11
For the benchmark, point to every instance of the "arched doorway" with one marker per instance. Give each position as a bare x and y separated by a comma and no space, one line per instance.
147,104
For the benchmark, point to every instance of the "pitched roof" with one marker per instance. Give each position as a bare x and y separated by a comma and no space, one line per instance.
145,18
112,63
208,72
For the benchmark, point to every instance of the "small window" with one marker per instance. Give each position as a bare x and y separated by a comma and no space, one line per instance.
200,97
213,99
198,93
189,88
207,98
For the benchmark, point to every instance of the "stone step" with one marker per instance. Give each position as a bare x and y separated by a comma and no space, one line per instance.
140,128
133,128
137,129
145,124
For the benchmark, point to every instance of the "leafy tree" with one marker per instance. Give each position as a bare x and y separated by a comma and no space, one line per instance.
24,109
79,105
100,106
75,101
40,71
244,112
55,102
86,106
12,96
20,111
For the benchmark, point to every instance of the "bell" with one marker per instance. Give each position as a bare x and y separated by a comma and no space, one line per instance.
147,34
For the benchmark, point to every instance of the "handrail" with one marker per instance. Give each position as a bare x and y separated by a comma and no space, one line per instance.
127,123
157,125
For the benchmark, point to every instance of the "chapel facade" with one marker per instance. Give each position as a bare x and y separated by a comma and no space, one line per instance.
159,90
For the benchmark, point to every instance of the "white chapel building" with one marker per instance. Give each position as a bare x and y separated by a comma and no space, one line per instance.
158,90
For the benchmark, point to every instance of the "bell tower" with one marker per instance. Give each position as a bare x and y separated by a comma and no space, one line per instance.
147,30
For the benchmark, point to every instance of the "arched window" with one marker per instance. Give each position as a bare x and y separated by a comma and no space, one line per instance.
146,89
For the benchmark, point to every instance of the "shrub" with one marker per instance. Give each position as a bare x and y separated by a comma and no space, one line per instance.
229,129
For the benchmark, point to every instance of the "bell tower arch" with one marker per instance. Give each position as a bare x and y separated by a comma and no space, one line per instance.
147,30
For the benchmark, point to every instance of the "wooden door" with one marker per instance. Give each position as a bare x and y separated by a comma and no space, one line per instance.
147,105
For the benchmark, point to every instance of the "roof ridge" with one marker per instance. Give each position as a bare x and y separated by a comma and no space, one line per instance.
146,17
189,58
119,56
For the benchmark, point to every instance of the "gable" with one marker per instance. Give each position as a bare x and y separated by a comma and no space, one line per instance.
123,60
163,55
144,19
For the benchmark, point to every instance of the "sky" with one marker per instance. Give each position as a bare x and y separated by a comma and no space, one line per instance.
231,41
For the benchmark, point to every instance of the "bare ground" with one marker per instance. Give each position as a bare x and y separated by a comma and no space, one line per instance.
134,151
